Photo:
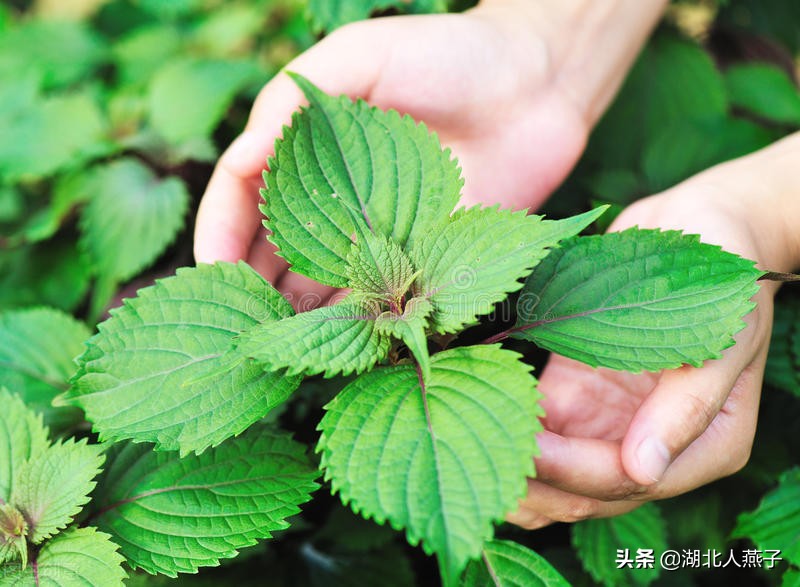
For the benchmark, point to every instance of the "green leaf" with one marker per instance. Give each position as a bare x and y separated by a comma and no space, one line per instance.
22,437
775,523
162,368
141,53
132,217
791,578
61,52
764,90
637,300
478,259
52,487
37,348
51,134
330,340
189,97
234,494
508,564
599,542
326,15
775,20
410,328
385,166
782,369
442,461
81,557
378,267
13,534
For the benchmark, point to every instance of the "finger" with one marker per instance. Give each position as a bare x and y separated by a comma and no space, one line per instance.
683,404
263,258
345,62
546,502
303,293
584,466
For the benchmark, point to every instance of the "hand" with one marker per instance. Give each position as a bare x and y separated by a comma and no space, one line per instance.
614,440
500,85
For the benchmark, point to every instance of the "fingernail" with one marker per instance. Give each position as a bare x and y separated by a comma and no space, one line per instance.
653,458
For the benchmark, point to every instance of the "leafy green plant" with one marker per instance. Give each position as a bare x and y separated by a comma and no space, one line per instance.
434,438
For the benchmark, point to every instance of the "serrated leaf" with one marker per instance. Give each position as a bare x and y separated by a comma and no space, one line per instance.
775,523
764,90
479,258
188,97
81,557
330,340
600,544
385,166
52,487
22,437
326,15
508,564
637,300
410,328
131,218
441,461
37,348
378,266
234,494
162,368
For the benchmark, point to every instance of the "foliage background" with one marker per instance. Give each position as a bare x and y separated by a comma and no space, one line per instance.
112,113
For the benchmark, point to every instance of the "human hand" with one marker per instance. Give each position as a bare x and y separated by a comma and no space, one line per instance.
614,440
500,85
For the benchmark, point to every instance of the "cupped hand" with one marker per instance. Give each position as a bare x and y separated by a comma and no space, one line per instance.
614,440
482,80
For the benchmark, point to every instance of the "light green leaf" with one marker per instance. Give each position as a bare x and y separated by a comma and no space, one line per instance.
385,166
234,494
410,328
378,267
637,300
13,535
479,258
22,437
326,15
775,523
51,134
331,340
442,461
508,564
62,52
52,487
139,54
132,217
37,351
189,97
162,368
81,557
764,90
600,544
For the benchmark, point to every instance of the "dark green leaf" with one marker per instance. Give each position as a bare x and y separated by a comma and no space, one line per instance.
764,90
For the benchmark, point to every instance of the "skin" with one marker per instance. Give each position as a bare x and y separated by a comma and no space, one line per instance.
514,89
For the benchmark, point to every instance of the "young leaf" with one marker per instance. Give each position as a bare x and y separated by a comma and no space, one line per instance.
13,535
233,494
51,488
130,220
508,564
479,257
331,340
443,459
764,90
22,437
81,557
385,166
410,328
37,348
599,544
637,300
379,267
162,369
774,523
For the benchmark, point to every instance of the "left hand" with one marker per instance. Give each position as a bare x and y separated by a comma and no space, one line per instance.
614,440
